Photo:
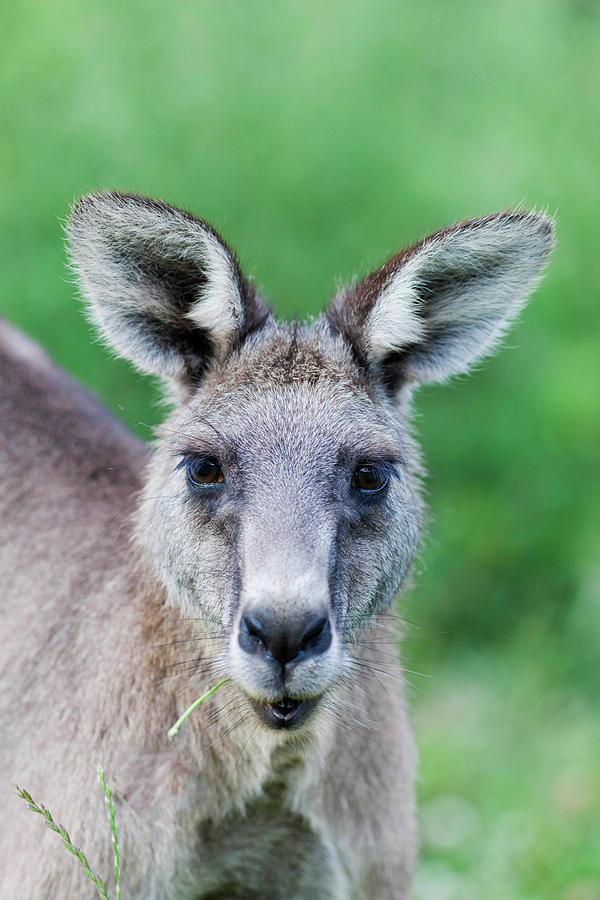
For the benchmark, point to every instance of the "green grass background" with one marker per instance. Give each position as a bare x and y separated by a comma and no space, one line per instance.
319,137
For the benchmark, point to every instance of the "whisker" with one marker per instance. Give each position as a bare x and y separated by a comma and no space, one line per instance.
414,672
372,666
215,635
195,659
241,753
371,649
227,733
214,716
344,721
203,668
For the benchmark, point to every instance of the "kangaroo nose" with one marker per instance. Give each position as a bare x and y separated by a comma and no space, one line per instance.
282,639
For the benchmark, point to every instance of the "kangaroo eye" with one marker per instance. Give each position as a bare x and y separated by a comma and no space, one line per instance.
204,471
370,479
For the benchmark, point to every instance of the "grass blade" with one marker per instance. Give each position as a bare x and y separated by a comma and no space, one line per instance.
113,827
173,731
64,834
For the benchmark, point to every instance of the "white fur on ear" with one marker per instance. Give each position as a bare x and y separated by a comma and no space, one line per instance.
163,289
395,320
219,309
449,299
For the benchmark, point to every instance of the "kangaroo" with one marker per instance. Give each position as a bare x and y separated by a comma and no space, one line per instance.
262,539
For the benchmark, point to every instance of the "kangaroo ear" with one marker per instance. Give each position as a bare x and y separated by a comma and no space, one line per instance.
163,288
434,309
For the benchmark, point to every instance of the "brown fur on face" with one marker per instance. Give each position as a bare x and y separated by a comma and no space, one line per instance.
126,587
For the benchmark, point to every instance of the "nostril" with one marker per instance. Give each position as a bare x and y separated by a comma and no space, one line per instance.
316,637
313,630
254,627
252,634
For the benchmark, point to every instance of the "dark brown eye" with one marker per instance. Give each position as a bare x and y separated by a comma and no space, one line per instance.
369,478
203,471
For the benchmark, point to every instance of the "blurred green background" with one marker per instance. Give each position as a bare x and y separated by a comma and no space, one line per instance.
319,137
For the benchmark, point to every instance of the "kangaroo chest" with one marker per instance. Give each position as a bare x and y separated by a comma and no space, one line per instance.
268,851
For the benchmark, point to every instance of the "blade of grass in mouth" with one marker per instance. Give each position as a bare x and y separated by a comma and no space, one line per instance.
173,731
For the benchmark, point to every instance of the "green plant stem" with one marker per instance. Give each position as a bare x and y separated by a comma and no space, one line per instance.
113,827
173,731
63,833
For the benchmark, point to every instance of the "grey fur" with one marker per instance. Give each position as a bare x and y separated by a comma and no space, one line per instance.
116,573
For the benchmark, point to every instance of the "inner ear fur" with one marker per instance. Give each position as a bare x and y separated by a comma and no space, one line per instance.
435,308
164,289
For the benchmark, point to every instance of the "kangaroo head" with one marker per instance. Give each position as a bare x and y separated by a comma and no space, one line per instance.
282,501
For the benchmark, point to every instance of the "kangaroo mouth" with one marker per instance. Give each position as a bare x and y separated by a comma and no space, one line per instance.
288,714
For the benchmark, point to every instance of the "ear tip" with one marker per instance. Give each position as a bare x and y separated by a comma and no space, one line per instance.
544,225
89,207
540,223
91,215
120,206
533,231
97,200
